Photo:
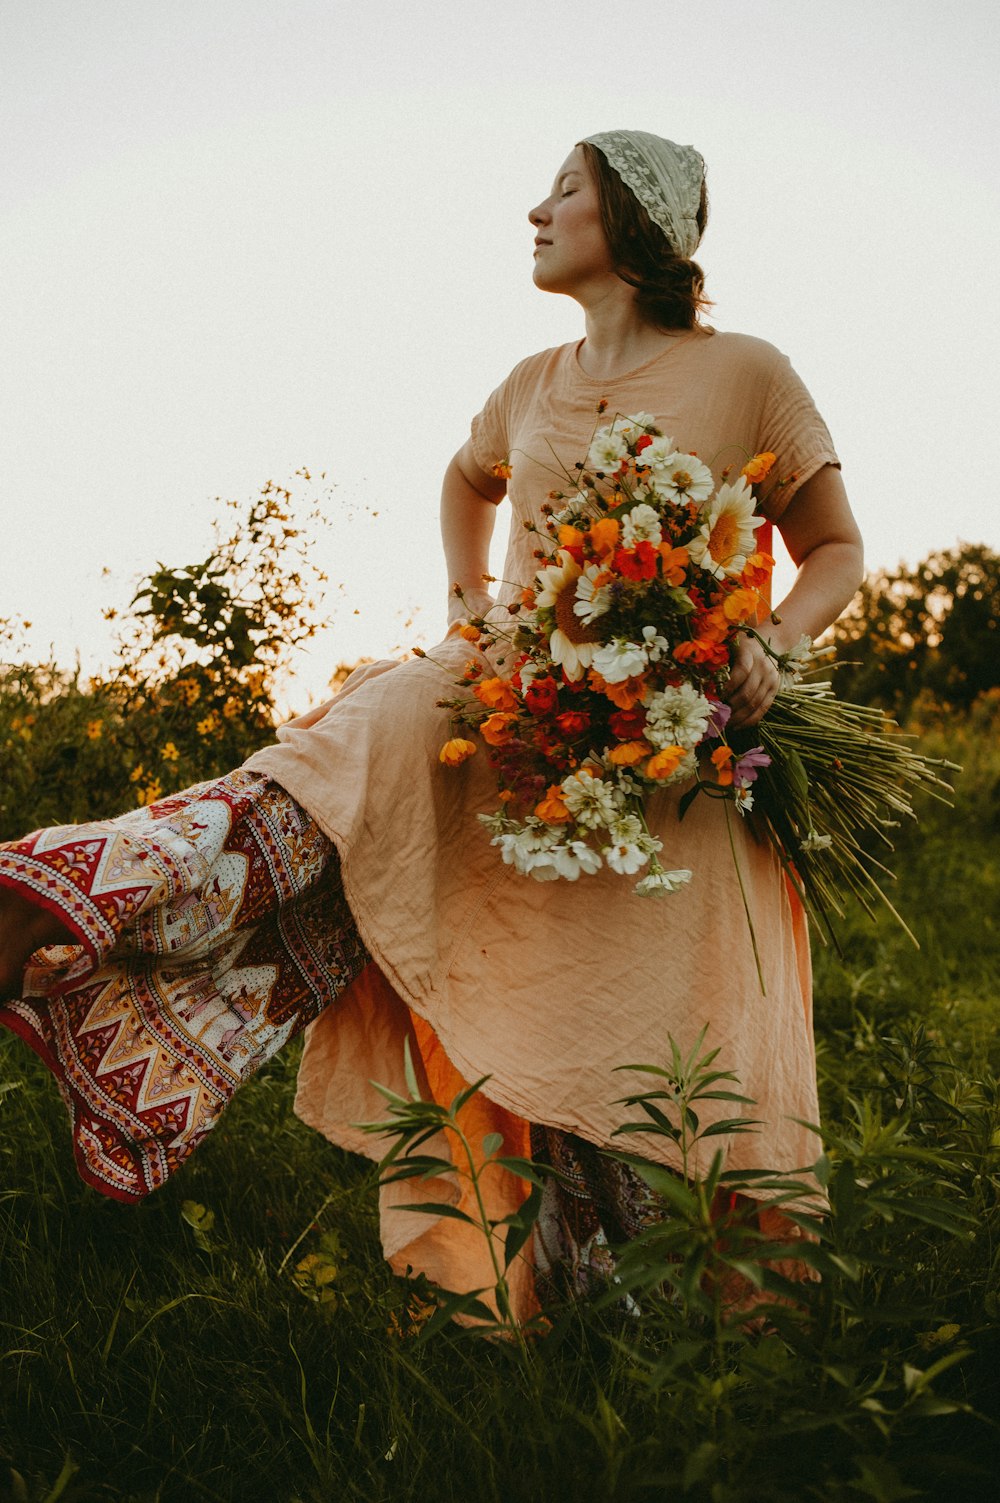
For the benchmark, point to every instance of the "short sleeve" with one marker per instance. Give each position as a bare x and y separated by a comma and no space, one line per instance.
490,429
792,428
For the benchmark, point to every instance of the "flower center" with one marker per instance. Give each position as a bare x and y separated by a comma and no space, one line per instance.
724,537
568,622
681,479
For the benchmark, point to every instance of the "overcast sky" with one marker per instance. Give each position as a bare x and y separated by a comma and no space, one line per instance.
241,236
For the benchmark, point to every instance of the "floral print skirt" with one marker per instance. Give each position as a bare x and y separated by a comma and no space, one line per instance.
210,927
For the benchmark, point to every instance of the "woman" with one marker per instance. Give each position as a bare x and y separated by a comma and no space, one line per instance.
166,954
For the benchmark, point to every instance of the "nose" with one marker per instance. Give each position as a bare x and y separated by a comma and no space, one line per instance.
539,215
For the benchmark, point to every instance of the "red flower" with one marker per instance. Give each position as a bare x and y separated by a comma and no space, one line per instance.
542,695
639,562
573,722
643,443
628,725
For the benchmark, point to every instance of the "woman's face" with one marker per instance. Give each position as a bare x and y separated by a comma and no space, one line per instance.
570,249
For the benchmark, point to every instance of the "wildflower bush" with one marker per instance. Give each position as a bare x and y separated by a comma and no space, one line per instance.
191,691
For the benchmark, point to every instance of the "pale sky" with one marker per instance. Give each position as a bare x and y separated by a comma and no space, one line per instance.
241,236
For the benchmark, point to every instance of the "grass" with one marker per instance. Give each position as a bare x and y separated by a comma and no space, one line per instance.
238,1336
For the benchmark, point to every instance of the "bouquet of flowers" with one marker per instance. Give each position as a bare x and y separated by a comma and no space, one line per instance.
616,657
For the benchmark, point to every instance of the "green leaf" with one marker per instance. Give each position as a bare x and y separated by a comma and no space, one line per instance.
491,1142
439,1208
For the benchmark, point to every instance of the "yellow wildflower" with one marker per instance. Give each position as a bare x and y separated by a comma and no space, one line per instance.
170,752
95,729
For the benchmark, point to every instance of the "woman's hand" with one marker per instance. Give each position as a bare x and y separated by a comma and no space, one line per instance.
753,682
471,602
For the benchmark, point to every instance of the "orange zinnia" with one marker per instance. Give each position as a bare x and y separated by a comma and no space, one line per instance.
497,730
495,694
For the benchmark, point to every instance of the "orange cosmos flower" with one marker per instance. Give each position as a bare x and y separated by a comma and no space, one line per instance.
673,562
759,467
497,730
553,808
495,694
757,570
456,751
604,535
741,605
502,470
722,760
625,695
665,763
469,632
628,753
570,537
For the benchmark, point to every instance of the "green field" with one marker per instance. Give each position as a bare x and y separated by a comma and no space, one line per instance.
238,1336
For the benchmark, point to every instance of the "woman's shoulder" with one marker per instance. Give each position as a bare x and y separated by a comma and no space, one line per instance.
727,346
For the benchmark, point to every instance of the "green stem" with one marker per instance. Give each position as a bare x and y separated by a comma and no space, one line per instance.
746,905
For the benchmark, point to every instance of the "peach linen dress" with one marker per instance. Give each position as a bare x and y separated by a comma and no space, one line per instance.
547,987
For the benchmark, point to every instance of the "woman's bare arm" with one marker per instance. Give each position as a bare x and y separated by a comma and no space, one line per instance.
469,499
822,537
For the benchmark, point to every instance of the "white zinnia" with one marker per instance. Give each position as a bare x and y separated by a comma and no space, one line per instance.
683,477
725,538
624,857
574,859
795,661
677,717
607,450
591,801
641,525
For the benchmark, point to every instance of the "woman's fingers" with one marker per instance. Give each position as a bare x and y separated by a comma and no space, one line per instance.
753,682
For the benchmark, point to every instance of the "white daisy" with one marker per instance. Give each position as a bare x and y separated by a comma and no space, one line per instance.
658,883
725,538
572,642
618,660
592,599
658,452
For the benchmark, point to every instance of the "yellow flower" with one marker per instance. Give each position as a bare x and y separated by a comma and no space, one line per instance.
149,793
188,690
456,751
137,773
231,708
208,724
759,467
95,729
553,808
666,762
170,752
628,753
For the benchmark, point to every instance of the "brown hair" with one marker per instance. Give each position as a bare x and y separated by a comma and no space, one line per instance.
669,288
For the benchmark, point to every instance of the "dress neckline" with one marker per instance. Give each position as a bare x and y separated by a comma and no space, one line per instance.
637,370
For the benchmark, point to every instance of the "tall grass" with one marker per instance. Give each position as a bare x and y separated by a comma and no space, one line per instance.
238,1336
